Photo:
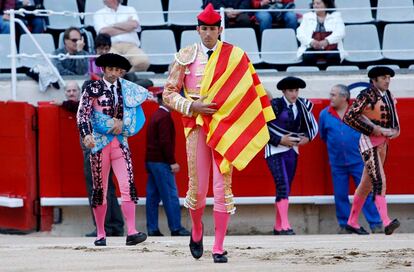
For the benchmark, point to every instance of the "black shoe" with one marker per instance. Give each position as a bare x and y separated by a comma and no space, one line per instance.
287,232
155,233
180,232
219,258
56,85
196,248
136,238
91,234
391,227
276,232
35,76
100,242
360,231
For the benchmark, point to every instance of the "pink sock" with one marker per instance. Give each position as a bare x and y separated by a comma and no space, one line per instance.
381,204
278,221
283,207
100,212
128,209
221,221
196,219
355,211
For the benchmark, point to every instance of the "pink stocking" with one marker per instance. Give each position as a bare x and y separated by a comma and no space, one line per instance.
221,221
381,204
100,212
278,221
283,206
128,209
196,219
355,211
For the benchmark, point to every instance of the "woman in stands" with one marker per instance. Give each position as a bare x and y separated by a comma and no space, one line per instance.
321,30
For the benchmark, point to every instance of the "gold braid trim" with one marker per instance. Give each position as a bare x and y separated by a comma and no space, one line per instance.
228,193
190,201
187,55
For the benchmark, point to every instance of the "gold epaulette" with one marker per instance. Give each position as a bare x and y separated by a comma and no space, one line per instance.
186,55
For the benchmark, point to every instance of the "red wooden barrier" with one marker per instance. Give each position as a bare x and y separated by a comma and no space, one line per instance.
61,169
18,165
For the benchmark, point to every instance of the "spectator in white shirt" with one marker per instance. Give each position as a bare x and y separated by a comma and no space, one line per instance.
122,24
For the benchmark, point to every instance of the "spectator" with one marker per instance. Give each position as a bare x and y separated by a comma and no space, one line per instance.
161,167
265,18
102,46
36,24
344,158
321,30
72,95
233,18
4,18
122,24
73,45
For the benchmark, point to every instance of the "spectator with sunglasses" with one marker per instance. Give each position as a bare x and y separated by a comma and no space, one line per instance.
73,45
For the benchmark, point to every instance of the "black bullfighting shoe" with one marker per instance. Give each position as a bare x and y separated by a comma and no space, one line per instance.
100,242
360,231
136,238
196,248
287,232
391,227
219,258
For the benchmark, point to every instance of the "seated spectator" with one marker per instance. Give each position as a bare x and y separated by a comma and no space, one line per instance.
102,46
321,30
4,18
122,24
73,45
36,24
265,18
233,18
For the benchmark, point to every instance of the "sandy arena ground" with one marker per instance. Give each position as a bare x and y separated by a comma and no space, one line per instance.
41,252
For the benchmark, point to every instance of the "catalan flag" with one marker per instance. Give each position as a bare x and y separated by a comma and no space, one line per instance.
238,130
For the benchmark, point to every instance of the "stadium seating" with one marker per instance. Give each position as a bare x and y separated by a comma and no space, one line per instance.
362,13
282,41
5,50
26,46
159,42
92,6
342,68
362,37
398,37
185,18
154,18
302,69
404,12
245,38
189,37
59,21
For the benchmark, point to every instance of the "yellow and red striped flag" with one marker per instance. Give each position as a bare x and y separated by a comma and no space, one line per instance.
238,130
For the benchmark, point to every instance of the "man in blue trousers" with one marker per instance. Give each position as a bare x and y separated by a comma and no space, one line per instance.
344,158
161,168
